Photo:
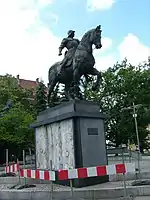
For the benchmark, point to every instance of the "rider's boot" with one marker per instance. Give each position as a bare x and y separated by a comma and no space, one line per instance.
61,69
62,66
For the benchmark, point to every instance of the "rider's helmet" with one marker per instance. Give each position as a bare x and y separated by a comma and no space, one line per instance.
70,32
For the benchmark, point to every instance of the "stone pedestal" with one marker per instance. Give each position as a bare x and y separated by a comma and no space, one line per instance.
72,136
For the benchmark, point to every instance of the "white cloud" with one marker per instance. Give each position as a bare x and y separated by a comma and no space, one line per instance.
106,44
27,47
49,16
133,49
45,2
103,62
99,4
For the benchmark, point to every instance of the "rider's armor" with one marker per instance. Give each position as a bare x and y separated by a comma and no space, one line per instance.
71,44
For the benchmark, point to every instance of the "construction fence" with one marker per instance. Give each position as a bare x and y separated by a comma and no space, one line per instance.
124,167
70,174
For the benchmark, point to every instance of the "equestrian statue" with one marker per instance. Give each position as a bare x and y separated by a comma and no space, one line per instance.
71,44
78,61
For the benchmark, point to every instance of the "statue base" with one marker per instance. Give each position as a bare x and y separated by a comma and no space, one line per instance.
71,135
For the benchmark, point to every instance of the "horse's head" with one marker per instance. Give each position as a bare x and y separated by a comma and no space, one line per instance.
95,37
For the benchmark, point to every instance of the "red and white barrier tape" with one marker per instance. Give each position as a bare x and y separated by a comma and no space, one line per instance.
12,168
29,173
38,174
72,173
95,171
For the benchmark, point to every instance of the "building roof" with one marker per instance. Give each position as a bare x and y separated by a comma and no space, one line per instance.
28,84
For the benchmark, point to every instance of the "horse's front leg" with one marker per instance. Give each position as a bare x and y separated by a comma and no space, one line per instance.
68,92
76,80
95,72
50,90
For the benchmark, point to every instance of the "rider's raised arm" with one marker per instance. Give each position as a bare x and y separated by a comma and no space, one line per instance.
62,45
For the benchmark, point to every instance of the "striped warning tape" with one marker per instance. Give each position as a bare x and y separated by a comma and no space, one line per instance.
95,171
72,173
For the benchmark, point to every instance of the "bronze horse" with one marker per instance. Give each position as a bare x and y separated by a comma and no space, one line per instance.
82,64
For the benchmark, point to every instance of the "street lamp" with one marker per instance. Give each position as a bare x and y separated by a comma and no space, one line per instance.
136,127
135,120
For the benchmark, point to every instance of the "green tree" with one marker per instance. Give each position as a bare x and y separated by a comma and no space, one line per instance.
41,97
9,89
15,132
55,97
122,85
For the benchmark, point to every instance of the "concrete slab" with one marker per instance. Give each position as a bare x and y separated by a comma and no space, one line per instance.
143,198
113,191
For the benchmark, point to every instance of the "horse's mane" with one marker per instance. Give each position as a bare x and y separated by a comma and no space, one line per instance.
86,35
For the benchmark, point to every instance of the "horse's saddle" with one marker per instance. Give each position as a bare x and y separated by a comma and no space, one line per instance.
69,62
69,57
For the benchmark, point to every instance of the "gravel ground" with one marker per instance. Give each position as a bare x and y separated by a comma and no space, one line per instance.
39,187
47,187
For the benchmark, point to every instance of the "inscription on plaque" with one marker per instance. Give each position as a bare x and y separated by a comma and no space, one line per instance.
92,131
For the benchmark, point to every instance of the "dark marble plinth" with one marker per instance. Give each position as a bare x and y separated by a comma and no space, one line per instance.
88,135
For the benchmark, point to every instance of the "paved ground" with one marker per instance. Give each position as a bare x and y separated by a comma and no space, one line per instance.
46,187
145,167
137,198
107,189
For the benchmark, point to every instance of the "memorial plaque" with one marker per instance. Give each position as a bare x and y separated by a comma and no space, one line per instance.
92,131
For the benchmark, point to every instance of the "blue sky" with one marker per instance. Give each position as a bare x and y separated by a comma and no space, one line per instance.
125,16
33,29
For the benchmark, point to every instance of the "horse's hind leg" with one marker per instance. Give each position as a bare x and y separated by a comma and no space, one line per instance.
95,72
50,89
68,92
76,80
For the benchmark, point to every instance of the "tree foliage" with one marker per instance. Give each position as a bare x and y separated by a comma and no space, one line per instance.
55,97
14,126
9,89
41,97
15,132
122,85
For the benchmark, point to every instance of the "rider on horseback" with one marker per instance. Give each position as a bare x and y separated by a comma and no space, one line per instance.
71,44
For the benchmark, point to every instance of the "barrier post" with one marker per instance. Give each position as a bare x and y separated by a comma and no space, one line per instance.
51,182
30,154
19,180
124,178
25,181
6,157
71,187
129,149
139,166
